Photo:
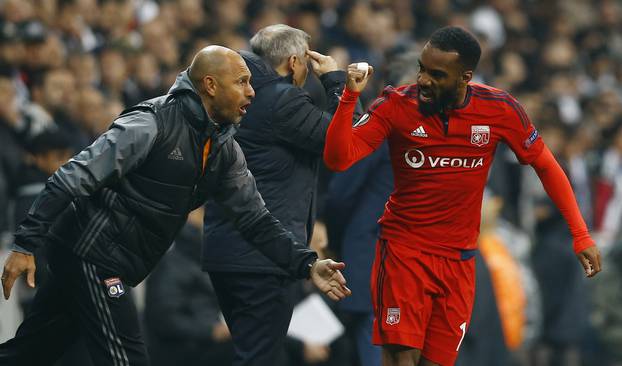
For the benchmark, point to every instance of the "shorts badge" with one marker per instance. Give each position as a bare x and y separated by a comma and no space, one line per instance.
114,287
393,316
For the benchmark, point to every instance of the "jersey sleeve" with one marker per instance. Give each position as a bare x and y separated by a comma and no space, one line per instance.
347,143
519,133
559,189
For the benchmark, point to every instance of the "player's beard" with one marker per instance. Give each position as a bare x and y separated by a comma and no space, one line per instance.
443,102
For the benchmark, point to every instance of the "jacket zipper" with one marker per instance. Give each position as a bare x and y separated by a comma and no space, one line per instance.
202,171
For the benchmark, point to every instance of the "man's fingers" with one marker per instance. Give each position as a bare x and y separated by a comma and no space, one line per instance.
344,290
586,265
314,64
338,276
336,265
594,261
316,56
7,284
30,278
332,296
341,287
337,292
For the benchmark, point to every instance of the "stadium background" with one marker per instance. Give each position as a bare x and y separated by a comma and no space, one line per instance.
68,67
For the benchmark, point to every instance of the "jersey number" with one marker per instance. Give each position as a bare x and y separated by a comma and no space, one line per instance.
463,329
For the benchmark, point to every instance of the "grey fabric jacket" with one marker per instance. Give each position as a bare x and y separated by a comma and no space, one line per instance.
121,201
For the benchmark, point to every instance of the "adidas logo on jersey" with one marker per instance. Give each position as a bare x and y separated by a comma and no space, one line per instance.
419,132
176,154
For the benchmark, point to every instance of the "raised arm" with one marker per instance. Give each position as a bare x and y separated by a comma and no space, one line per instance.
301,124
345,143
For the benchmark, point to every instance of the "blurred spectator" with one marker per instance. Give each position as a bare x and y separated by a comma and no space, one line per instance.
114,73
483,344
47,150
183,322
85,67
561,280
88,112
11,152
54,91
146,80
506,250
356,200
606,314
300,353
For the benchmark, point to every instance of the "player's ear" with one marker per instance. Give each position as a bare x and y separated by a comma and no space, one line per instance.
291,62
210,85
467,76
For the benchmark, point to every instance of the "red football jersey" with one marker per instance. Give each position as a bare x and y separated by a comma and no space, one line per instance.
441,167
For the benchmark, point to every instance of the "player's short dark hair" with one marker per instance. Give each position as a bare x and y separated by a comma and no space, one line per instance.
457,39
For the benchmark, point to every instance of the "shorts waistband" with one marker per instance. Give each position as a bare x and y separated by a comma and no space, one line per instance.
451,253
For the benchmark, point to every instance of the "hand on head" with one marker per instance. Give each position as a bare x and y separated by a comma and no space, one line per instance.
321,64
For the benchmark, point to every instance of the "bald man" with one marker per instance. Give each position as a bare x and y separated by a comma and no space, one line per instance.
111,212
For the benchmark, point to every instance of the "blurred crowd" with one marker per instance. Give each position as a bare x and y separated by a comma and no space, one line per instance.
68,67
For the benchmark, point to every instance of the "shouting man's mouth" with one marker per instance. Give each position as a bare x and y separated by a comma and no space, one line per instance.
425,95
243,109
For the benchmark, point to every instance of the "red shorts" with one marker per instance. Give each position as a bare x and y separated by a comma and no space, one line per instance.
421,300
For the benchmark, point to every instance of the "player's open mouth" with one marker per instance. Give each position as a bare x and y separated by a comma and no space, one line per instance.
243,109
425,96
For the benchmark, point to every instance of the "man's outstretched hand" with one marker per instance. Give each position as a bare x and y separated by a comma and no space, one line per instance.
326,276
15,265
590,260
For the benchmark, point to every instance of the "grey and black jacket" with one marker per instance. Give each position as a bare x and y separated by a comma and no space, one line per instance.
121,201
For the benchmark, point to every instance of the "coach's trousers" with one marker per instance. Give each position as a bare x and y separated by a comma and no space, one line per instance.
77,301
257,309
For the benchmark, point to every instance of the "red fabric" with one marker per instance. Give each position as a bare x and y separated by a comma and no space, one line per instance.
421,300
439,175
559,189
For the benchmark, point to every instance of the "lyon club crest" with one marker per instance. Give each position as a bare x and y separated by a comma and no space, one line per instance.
393,316
114,287
480,135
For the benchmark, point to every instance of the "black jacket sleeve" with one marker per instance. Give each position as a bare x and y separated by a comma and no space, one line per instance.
299,123
110,157
239,198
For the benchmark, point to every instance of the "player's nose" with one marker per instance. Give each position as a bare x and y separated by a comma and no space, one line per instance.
250,92
423,80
